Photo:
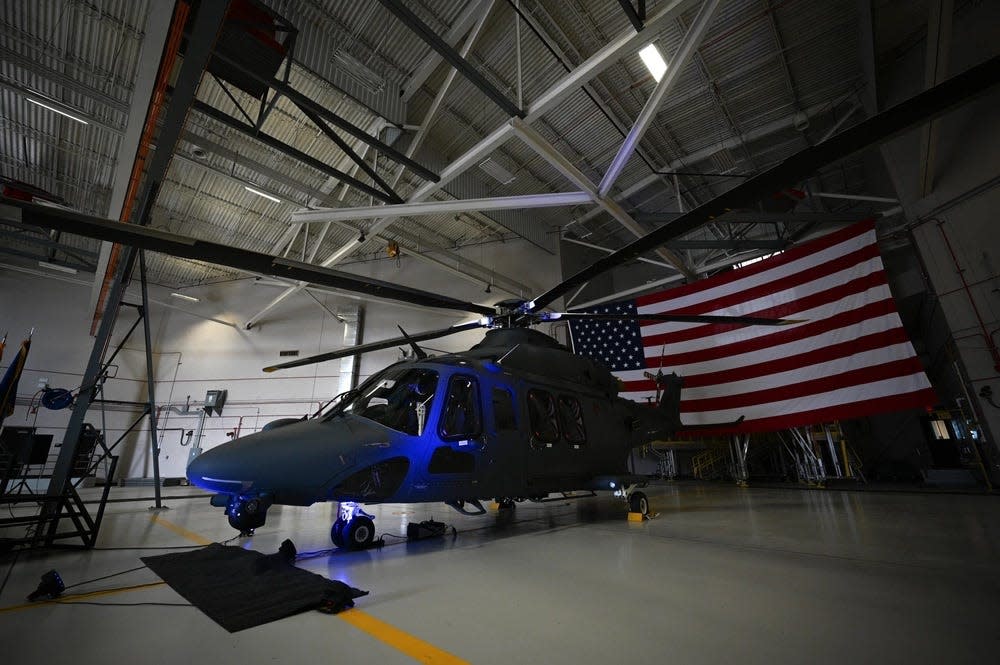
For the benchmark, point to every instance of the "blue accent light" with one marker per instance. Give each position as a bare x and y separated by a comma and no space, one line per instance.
491,366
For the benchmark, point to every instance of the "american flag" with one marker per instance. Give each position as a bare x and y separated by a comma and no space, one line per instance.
848,357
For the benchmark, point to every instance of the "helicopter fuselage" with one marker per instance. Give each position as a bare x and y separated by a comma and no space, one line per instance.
518,416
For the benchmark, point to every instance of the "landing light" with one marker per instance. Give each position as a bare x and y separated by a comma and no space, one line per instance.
612,483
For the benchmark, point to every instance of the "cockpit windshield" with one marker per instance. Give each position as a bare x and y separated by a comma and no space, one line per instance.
397,397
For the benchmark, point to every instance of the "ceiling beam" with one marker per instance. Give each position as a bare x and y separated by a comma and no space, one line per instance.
935,71
547,151
520,202
276,144
430,36
892,122
465,20
674,69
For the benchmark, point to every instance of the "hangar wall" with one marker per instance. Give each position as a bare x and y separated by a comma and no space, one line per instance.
193,355
954,226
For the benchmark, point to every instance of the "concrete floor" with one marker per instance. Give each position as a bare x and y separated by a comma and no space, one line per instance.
721,575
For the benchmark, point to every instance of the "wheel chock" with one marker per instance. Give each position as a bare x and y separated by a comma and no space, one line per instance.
636,517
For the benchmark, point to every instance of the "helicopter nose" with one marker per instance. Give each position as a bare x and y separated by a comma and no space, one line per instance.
209,471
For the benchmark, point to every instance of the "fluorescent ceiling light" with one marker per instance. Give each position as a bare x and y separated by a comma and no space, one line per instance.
654,61
260,193
55,266
55,110
185,297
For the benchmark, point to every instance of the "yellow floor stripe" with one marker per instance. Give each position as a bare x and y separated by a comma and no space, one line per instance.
413,647
180,531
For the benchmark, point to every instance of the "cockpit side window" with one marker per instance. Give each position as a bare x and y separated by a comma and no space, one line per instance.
461,418
542,415
400,398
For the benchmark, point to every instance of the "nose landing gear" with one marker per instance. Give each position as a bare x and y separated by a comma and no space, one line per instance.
354,528
247,513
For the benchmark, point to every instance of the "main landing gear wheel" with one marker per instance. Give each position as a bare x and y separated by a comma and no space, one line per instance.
639,503
359,533
505,509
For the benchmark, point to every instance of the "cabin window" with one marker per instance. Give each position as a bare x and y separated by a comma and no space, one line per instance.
503,410
571,421
461,416
542,414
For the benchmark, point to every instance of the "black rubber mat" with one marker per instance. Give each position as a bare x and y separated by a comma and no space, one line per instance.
241,588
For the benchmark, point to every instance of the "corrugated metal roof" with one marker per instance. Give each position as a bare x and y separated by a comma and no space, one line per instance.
759,63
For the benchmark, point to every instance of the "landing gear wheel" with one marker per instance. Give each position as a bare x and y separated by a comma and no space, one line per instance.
245,516
359,533
638,503
337,533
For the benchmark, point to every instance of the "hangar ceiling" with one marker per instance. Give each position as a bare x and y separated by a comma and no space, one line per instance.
765,79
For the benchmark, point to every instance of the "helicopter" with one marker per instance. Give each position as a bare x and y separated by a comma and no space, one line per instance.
516,417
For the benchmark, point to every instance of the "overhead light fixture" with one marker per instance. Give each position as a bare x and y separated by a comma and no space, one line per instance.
56,266
654,62
260,193
183,296
59,111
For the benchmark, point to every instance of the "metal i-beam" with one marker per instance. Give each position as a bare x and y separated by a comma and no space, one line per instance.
935,70
349,151
931,103
689,160
461,26
547,151
523,201
632,14
588,69
687,48
294,153
301,100
426,33
384,222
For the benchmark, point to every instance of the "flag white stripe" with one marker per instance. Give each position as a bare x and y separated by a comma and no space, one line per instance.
830,368
893,387
778,298
725,362
829,310
775,274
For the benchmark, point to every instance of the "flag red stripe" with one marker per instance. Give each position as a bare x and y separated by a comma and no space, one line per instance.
810,274
860,376
799,332
786,310
920,399
789,255
825,354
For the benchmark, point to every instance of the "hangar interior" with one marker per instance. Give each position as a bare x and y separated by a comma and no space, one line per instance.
520,141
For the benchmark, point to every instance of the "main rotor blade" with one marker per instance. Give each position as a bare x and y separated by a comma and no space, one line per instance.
173,244
672,318
376,346
880,127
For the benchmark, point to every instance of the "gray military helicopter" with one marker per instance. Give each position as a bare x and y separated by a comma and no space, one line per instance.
516,417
